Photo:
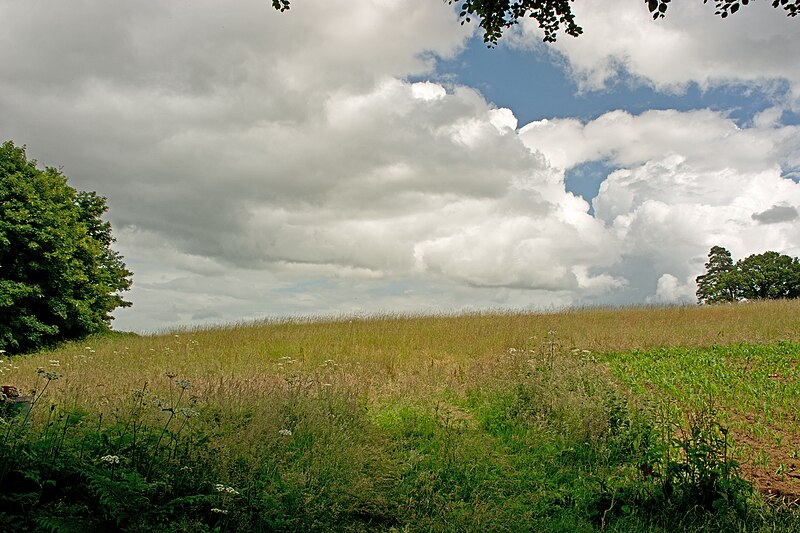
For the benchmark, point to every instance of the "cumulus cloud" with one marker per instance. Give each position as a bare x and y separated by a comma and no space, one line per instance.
259,163
671,290
685,181
755,47
708,138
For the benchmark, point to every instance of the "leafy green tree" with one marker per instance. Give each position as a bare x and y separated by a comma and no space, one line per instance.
496,16
59,277
760,276
718,283
768,275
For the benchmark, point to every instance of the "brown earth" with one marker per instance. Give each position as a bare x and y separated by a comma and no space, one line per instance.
779,478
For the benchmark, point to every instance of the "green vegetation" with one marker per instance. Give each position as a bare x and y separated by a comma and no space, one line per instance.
59,277
592,420
757,277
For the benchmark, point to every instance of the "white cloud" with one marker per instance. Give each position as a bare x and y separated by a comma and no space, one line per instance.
670,290
685,181
706,138
285,151
426,90
756,46
259,163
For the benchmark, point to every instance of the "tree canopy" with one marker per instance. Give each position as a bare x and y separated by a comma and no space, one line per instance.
496,16
59,277
714,285
759,276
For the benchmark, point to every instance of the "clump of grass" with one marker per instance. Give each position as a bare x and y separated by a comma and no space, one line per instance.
301,456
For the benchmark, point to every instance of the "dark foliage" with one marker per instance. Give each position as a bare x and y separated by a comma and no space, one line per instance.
59,277
496,16
757,277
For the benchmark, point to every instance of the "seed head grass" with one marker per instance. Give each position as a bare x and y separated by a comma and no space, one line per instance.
385,355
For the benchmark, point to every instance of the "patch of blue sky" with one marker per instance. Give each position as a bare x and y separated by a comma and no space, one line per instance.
396,288
792,173
535,87
584,180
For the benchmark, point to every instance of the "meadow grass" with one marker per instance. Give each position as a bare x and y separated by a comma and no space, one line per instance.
580,420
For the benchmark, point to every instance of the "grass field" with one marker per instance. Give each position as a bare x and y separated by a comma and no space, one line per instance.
634,419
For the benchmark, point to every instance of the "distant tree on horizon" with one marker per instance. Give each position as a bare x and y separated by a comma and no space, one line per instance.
715,285
769,275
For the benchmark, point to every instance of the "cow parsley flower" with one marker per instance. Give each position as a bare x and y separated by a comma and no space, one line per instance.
223,488
188,412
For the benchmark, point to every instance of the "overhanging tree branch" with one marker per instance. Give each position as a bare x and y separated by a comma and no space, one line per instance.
496,16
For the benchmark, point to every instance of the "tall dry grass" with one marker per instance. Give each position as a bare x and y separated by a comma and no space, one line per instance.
432,420
378,356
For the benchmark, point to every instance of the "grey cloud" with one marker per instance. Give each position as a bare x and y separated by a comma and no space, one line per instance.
206,314
776,214
266,164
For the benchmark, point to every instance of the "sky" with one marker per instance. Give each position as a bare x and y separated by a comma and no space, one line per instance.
348,158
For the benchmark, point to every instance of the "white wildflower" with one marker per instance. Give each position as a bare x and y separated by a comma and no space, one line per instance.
223,488
286,432
188,412
110,459
219,511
